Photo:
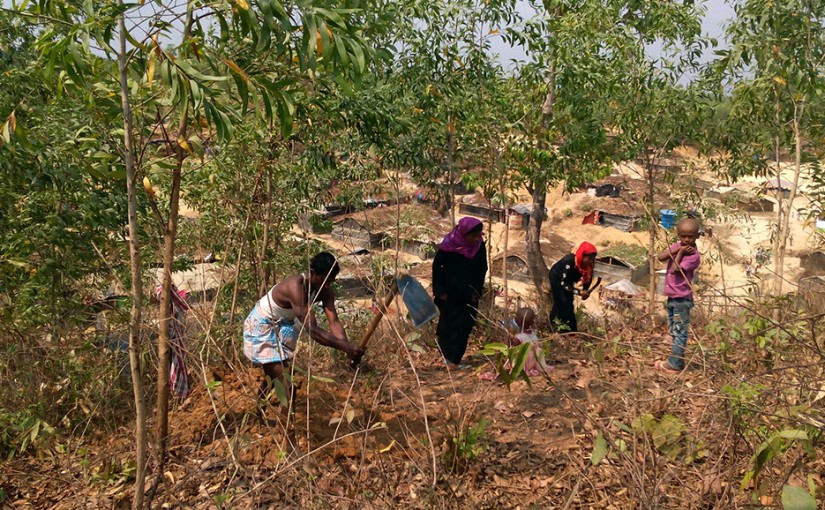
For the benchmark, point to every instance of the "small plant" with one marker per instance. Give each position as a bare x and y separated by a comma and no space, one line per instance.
111,471
22,431
509,361
586,207
428,251
464,444
742,398
568,213
671,438
726,334
222,498
776,446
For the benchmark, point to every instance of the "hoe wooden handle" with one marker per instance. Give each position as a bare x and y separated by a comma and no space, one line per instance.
375,321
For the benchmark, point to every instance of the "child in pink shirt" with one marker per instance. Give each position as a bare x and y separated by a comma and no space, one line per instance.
682,261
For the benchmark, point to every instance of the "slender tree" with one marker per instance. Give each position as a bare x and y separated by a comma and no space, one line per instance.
192,82
774,67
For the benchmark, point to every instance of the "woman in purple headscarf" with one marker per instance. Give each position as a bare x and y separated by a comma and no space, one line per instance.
459,268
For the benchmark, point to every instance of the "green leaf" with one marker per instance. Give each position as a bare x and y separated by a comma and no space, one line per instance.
16,263
412,336
326,43
279,9
36,430
267,100
341,48
229,127
197,97
280,391
518,357
265,39
599,450
311,33
284,117
494,348
142,47
290,104
359,56
797,498
266,12
334,17
797,434
191,71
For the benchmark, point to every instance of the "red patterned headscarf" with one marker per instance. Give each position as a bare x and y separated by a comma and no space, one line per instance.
587,272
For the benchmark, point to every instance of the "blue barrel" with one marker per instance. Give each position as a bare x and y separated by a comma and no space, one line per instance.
668,218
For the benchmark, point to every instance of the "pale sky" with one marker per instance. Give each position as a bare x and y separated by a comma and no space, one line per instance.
718,12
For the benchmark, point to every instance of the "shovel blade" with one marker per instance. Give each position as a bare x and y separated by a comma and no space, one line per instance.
417,300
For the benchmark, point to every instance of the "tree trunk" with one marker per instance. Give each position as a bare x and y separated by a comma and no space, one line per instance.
164,351
780,211
784,227
135,266
502,190
165,308
264,276
490,256
236,279
397,190
450,197
651,247
535,259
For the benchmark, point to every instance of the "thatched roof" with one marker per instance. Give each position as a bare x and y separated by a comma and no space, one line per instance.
417,222
631,254
478,199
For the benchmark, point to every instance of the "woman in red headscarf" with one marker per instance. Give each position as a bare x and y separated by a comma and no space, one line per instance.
459,267
564,274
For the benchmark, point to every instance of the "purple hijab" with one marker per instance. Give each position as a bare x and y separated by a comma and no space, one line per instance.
455,242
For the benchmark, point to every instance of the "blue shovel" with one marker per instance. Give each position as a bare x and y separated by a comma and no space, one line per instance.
418,302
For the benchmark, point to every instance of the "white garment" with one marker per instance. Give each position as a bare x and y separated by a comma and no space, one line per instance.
269,308
527,337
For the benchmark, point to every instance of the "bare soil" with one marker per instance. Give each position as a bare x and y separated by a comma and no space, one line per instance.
378,437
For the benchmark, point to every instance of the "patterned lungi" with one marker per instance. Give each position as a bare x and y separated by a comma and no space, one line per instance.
267,340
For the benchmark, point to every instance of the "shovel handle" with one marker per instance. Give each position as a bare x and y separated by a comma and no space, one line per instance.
362,344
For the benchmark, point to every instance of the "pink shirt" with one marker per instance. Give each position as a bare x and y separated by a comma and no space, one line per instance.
678,284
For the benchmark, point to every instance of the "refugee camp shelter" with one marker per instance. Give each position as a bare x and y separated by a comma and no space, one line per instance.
355,279
623,222
622,262
417,228
478,206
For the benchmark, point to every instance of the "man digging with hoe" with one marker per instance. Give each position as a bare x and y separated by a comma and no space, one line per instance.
270,331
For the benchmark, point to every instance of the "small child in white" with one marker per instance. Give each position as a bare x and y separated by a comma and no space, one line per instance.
535,364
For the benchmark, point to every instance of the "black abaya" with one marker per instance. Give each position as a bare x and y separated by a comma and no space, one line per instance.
462,281
563,275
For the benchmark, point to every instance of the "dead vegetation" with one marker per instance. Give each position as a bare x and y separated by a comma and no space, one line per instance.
604,431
